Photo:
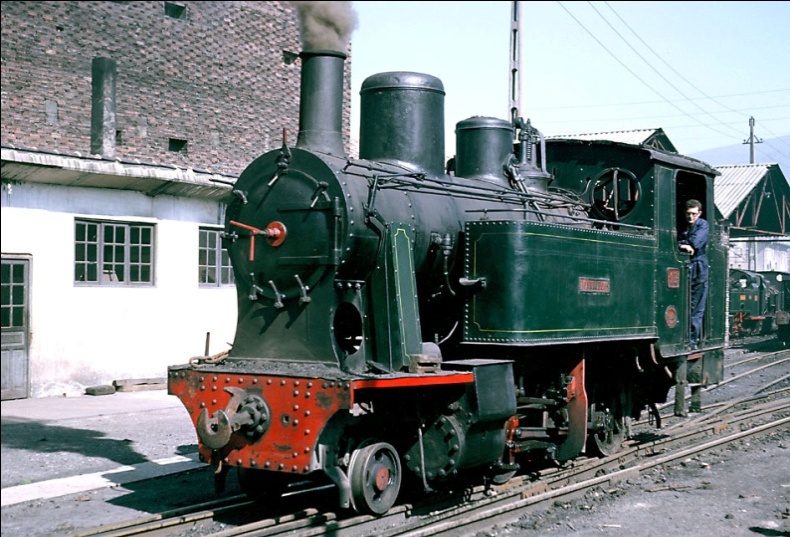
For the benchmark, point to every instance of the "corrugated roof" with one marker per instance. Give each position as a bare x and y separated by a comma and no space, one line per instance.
735,183
635,137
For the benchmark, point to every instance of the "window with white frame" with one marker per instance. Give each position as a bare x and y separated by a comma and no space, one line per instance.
214,268
113,253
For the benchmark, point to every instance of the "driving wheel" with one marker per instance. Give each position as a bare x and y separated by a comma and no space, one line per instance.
609,435
375,475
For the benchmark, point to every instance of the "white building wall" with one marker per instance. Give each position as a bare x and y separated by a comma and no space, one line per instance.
775,256
85,336
761,255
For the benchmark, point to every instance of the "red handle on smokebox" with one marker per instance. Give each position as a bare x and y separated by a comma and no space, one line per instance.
275,232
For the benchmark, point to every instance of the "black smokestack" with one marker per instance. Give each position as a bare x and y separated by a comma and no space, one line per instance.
325,31
321,102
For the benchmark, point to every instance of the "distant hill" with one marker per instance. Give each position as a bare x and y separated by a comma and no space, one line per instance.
769,151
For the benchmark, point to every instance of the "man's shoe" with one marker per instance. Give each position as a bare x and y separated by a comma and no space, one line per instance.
681,415
695,409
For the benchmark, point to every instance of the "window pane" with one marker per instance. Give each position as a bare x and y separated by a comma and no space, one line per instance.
210,275
227,276
17,318
227,268
213,260
18,294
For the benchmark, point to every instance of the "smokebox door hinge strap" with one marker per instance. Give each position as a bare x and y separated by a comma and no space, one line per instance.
283,161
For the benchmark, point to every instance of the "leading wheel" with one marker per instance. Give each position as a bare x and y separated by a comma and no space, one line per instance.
609,434
375,475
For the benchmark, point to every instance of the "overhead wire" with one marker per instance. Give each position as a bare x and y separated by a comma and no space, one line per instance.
684,79
662,97
564,107
635,75
653,68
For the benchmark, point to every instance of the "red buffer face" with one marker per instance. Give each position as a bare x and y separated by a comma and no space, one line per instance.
261,422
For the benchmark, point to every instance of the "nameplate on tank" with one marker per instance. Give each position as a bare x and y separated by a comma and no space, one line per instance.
595,285
673,278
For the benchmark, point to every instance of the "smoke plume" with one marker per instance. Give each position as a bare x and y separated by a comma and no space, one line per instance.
326,25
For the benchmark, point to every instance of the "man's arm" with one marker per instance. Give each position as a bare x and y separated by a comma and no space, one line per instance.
699,235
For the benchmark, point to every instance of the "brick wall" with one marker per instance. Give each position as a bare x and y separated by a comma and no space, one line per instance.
222,78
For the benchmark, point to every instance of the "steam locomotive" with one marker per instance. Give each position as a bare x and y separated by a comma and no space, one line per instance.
759,303
406,321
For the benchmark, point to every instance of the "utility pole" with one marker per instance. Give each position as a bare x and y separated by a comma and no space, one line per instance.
752,140
514,88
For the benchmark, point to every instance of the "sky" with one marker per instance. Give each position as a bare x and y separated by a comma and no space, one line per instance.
697,70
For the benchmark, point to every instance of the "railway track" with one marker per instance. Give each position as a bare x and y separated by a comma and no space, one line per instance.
762,412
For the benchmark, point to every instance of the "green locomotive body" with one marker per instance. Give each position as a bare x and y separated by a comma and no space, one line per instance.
399,321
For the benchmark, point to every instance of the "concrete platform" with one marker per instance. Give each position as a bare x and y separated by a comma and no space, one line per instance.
61,445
